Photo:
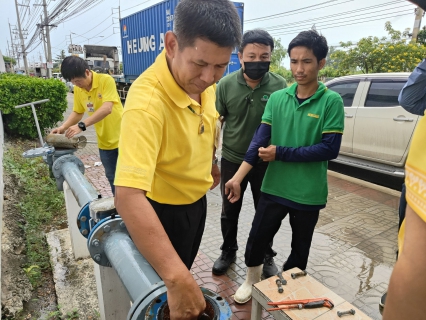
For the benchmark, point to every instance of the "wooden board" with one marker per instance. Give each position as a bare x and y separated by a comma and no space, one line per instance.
303,288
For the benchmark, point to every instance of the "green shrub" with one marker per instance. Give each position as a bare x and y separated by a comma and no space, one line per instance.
283,72
21,89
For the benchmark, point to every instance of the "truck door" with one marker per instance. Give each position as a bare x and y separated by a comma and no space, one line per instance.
350,94
234,64
383,129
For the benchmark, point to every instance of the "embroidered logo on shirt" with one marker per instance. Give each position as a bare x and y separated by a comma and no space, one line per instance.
90,107
264,98
313,115
99,96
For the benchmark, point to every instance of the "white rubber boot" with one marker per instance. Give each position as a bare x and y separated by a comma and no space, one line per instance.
243,293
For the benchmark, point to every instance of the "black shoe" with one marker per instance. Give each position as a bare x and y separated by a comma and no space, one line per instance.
383,299
222,264
269,267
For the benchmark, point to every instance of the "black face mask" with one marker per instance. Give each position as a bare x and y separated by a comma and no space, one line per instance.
256,70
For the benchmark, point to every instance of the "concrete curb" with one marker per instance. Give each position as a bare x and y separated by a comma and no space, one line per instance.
365,183
75,283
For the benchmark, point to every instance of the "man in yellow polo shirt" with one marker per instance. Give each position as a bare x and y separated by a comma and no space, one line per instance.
97,95
167,145
407,287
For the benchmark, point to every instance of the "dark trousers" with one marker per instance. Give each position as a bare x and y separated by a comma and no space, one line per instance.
231,211
109,161
402,206
184,224
267,222
401,210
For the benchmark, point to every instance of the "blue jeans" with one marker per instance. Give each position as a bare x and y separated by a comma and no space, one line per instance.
109,161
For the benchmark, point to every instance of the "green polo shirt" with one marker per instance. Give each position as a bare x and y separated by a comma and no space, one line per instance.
294,125
242,108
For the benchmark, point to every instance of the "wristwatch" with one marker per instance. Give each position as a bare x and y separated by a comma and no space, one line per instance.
82,126
214,161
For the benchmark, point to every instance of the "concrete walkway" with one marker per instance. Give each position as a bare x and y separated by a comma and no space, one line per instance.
353,249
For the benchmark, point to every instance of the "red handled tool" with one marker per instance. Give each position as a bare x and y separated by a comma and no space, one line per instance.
301,304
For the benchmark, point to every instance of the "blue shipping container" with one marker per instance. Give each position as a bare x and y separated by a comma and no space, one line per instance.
142,37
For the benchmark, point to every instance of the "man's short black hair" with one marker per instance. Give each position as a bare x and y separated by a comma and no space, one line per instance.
213,20
257,36
310,39
74,67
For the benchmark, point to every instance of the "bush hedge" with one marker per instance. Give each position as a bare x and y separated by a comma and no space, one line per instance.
20,89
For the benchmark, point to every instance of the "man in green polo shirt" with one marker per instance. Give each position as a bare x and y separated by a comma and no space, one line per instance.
240,99
304,124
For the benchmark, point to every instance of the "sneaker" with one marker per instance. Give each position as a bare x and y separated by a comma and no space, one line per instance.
269,267
383,299
222,264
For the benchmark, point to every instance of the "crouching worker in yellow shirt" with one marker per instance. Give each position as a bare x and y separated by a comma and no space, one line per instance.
97,95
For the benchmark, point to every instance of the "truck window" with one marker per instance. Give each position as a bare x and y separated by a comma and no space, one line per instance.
383,94
101,63
346,90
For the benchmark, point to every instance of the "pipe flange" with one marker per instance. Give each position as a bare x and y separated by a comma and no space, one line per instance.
84,222
154,310
98,236
141,310
57,168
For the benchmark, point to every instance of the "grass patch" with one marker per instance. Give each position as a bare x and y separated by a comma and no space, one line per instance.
59,315
42,206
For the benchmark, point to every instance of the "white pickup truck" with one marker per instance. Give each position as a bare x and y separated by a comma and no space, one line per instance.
378,130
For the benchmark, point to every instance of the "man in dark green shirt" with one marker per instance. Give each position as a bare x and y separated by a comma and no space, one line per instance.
241,100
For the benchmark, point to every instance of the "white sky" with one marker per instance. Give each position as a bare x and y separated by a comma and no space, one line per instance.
327,15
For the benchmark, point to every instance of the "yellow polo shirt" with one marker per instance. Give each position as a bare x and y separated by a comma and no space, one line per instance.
103,90
415,176
161,149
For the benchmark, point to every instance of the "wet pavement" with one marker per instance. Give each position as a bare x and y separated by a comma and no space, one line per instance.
353,249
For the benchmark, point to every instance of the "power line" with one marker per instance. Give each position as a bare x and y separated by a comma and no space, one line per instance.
342,25
105,38
297,11
333,20
141,4
340,14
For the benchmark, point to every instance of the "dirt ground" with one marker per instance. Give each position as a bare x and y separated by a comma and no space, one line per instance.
18,299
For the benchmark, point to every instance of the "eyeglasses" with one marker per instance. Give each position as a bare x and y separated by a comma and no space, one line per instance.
201,125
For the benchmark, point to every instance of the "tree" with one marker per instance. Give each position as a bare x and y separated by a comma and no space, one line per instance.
374,55
9,59
278,54
421,37
332,61
59,58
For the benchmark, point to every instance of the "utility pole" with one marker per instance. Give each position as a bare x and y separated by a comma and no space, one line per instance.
72,50
417,22
11,43
49,49
44,39
24,54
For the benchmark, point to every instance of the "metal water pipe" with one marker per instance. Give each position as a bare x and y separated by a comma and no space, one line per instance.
110,244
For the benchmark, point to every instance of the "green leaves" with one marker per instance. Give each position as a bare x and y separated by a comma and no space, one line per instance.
21,89
394,53
40,204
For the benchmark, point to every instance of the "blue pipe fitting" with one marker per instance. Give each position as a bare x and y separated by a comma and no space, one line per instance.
71,169
110,245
